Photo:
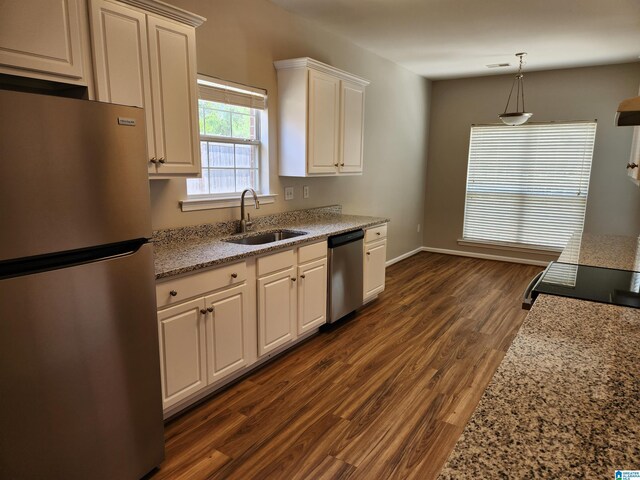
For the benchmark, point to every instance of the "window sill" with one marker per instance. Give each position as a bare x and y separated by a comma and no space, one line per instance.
207,203
509,246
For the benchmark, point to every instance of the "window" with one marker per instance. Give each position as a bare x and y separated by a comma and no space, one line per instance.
232,125
527,185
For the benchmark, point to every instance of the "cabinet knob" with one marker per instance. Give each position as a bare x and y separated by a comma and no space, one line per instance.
335,164
293,279
161,160
153,160
203,311
368,253
632,165
234,275
378,233
342,164
209,309
302,276
173,293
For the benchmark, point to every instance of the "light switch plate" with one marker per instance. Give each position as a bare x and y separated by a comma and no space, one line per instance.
288,193
305,191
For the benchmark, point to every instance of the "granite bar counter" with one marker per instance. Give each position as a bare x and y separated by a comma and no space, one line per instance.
189,249
565,401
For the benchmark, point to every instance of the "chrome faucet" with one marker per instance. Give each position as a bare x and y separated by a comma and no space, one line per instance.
244,224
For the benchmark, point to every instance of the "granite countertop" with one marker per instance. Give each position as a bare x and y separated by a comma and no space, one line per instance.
565,401
189,249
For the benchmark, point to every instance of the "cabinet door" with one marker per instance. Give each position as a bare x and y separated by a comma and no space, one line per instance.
312,295
121,59
183,359
324,118
375,257
276,310
42,37
227,318
172,54
351,127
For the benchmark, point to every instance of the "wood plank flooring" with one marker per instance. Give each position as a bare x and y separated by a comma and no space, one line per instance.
383,396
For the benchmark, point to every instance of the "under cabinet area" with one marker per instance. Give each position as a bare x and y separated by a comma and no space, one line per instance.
149,61
375,258
321,119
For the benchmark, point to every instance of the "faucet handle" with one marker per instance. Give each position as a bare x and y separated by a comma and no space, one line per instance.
248,223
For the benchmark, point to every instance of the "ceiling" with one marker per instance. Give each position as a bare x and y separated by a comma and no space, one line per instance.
458,38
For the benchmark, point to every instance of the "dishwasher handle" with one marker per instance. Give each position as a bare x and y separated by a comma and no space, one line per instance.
344,238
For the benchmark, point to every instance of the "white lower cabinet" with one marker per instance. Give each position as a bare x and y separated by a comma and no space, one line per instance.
375,259
216,323
205,339
183,357
312,295
276,310
227,349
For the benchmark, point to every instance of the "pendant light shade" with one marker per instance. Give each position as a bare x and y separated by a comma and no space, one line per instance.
519,116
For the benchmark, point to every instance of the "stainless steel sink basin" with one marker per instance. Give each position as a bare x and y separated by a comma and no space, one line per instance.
262,238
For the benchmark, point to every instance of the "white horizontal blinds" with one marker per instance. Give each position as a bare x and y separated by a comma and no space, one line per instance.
222,91
528,185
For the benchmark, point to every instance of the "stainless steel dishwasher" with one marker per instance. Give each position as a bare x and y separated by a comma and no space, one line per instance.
345,274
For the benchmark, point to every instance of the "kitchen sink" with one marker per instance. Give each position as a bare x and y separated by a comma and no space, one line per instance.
267,237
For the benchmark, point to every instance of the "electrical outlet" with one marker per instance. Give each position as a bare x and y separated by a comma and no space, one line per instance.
418,229
305,191
288,193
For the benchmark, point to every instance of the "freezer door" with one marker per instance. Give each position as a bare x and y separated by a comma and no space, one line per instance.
73,174
80,392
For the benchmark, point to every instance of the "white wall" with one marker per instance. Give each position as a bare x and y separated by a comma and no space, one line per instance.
573,94
240,41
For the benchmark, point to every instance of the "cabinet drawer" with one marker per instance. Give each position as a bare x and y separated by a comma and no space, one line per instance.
174,291
375,233
275,262
312,252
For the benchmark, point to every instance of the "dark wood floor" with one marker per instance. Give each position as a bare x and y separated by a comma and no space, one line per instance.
385,395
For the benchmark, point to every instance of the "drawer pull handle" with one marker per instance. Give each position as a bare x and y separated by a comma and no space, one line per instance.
209,309
632,165
173,293
234,275
203,311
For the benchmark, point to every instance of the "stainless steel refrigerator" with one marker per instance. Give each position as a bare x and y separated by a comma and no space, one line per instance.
79,367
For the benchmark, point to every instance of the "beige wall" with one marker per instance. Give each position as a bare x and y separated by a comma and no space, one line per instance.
240,41
573,94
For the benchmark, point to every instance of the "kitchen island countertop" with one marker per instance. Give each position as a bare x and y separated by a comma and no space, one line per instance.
565,401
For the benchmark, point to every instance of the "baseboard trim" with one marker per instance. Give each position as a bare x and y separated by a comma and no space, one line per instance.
403,256
485,256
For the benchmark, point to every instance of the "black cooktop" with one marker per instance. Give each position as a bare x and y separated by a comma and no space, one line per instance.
604,285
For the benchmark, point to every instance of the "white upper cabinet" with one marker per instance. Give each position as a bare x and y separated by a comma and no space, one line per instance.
44,40
320,119
351,127
149,61
324,117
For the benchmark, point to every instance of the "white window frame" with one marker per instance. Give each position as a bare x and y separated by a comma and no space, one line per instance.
229,200
477,230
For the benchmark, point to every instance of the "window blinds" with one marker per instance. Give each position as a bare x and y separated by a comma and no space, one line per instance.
222,91
527,185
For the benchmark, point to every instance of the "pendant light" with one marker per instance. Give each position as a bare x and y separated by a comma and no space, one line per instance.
518,117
